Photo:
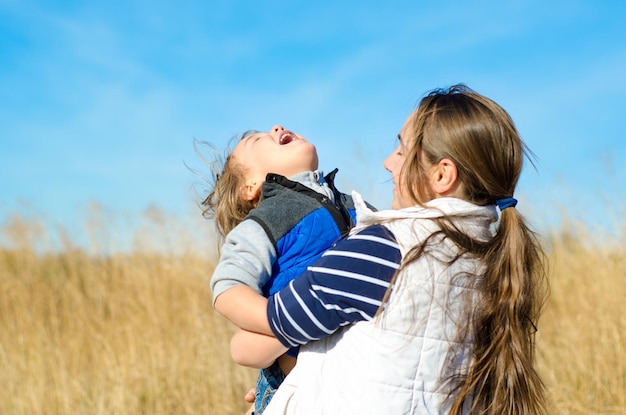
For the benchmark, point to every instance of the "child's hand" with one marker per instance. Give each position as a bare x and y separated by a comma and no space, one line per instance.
255,350
245,308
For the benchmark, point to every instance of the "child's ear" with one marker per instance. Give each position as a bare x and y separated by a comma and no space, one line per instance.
444,178
251,191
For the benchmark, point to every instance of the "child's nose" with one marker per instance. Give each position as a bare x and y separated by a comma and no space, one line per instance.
277,128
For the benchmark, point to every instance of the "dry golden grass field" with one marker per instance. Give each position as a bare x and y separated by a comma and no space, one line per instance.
82,332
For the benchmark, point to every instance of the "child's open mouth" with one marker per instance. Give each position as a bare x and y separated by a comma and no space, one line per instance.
286,138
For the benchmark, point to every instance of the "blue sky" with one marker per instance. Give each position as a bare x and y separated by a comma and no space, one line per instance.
101,101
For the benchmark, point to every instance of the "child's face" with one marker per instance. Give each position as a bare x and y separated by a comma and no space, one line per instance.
277,151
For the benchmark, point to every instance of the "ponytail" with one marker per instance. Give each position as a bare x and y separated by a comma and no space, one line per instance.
502,378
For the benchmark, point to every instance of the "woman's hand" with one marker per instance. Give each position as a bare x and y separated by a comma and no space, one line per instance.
250,399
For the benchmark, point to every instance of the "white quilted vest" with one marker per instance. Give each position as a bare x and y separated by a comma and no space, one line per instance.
394,363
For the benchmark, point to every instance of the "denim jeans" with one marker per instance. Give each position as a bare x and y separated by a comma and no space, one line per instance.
269,380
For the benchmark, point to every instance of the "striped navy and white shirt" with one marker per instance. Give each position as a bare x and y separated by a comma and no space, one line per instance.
345,285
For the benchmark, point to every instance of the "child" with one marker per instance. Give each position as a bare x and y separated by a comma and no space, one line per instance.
273,226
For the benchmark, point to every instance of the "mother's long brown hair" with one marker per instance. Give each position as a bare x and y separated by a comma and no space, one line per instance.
481,139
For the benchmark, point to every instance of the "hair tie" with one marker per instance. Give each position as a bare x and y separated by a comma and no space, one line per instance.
506,203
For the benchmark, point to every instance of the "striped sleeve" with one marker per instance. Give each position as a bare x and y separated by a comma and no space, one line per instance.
345,285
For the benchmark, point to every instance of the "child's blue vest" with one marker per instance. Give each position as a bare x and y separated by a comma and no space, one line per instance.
301,223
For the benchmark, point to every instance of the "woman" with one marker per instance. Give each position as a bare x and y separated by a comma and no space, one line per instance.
462,277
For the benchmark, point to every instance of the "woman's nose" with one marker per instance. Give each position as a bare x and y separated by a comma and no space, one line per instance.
277,128
387,164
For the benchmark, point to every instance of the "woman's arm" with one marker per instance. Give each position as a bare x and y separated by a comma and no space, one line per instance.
346,285
254,349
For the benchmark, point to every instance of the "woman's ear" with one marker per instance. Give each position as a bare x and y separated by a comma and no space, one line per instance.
444,178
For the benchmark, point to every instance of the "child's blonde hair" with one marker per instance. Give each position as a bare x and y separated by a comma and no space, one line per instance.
225,203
